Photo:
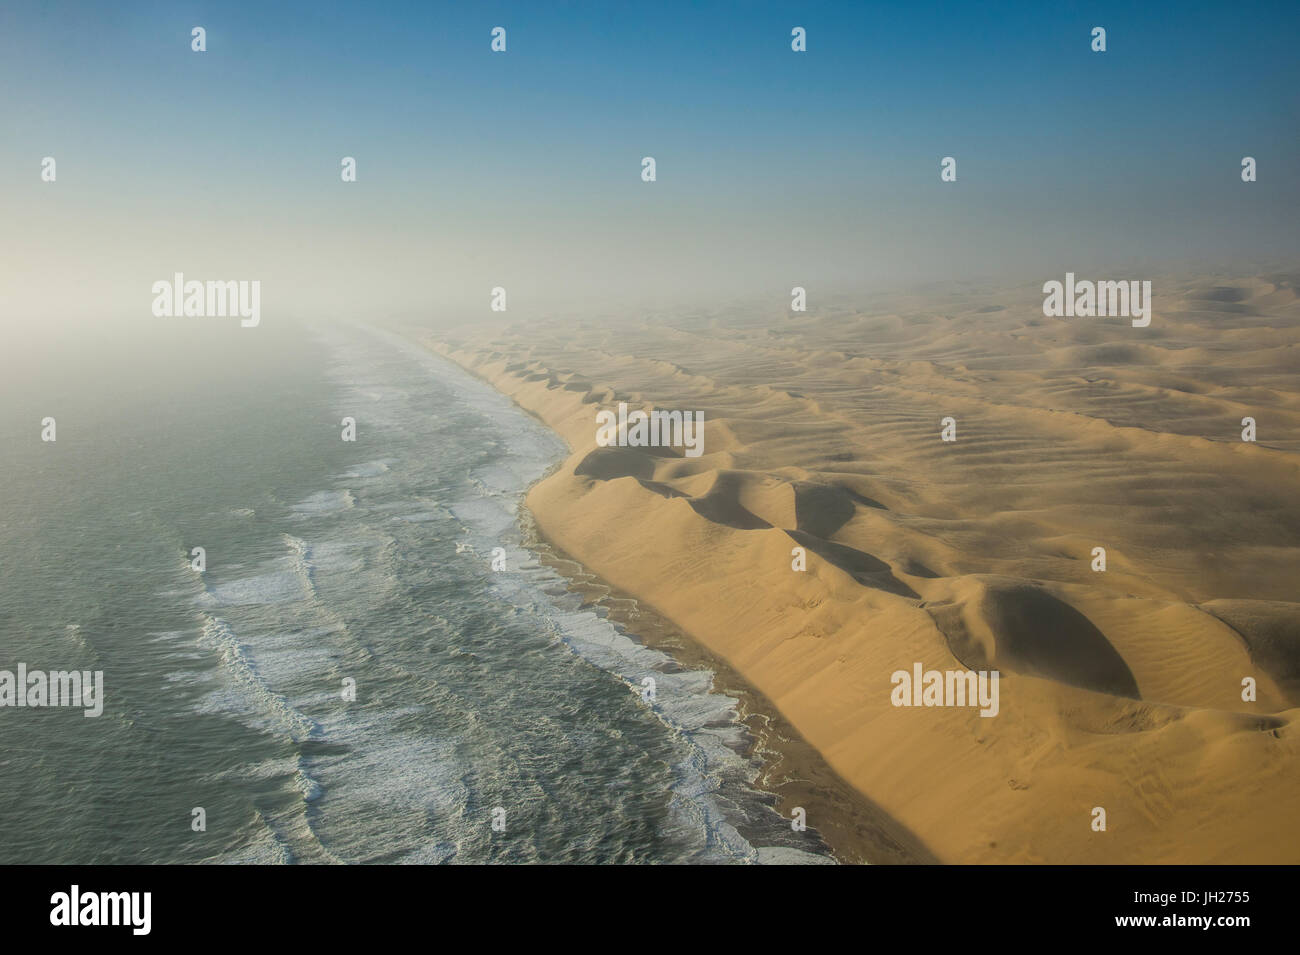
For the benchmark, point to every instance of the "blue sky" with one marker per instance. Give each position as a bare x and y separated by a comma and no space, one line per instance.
523,168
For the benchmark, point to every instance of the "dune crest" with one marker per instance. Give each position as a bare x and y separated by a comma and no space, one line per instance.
1121,688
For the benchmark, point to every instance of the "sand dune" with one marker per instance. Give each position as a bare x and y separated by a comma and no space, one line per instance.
1121,689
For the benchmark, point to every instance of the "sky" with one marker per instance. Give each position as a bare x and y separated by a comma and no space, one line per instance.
522,169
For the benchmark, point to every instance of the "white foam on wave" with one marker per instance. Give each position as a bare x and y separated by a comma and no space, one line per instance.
265,846
378,779
267,588
246,687
705,723
788,855
491,518
324,502
248,691
421,517
370,469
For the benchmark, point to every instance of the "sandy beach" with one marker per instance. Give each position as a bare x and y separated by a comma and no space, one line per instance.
1121,688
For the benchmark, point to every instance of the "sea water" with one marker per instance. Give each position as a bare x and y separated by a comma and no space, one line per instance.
348,679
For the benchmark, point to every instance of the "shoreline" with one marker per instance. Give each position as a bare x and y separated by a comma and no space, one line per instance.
792,772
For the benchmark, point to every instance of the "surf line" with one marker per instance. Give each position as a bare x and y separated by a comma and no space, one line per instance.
656,429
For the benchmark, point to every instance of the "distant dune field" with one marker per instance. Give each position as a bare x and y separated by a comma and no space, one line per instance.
1121,689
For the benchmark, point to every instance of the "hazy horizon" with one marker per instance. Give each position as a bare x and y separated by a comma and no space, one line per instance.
522,169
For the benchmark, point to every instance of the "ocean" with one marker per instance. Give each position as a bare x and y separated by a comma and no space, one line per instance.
348,679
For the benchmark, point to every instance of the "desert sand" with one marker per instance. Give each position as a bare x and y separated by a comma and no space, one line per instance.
1120,689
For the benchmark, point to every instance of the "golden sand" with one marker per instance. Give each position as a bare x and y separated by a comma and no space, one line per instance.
1120,689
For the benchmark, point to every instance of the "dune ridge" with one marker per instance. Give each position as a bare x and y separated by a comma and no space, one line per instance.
1120,689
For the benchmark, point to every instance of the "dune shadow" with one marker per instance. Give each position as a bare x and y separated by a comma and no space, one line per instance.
726,510
822,509
861,566
608,464
1035,633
